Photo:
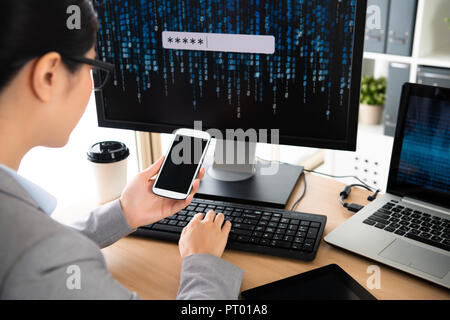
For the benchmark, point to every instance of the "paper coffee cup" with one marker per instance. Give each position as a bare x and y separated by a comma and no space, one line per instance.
109,161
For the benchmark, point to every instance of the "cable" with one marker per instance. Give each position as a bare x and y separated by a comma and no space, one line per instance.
302,195
354,207
340,177
321,173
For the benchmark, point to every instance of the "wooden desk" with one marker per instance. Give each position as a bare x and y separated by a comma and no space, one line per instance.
151,268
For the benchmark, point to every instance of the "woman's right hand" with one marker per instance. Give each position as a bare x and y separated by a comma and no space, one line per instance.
205,235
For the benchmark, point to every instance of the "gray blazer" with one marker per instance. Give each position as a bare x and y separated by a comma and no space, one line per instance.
43,259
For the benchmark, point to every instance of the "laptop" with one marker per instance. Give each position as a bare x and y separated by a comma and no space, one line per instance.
408,227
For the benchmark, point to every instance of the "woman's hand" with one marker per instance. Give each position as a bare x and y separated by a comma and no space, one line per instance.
142,207
205,235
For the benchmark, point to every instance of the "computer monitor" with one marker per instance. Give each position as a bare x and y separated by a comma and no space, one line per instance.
291,65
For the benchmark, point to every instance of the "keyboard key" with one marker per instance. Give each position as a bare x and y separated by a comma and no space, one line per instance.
381,215
315,224
182,223
280,244
303,228
243,226
389,229
400,232
379,220
308,246
250,221
395,225
299,240
167,228
242,238
304,223
406,229
312,233
435,232
380,226
277,237
425,235
424,229
264,242
436,238
414,226
369,222
295,221
301,234
296,246
241,232
257,234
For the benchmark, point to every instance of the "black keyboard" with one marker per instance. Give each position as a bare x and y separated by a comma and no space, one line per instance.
254,229
412,224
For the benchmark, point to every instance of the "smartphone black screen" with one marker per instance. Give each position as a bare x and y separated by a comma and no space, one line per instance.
181,164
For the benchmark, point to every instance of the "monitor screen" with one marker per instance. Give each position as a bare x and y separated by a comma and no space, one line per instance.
421,156
281,64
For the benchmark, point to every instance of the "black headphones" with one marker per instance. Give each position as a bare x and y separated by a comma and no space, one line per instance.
354,207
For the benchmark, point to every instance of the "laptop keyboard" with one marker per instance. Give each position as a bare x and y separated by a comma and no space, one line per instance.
254,229
412,224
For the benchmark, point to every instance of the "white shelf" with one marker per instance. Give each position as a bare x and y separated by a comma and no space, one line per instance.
387,57
431,45
439,58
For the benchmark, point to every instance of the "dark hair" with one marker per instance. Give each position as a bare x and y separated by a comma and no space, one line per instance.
32,28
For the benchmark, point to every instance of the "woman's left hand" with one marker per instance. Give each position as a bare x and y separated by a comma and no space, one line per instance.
142,207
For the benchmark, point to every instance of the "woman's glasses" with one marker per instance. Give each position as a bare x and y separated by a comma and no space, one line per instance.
102,71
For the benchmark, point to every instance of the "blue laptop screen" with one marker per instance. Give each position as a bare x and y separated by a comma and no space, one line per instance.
425,151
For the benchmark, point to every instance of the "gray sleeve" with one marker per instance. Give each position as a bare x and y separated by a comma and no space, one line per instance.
205,277
104,225
62,266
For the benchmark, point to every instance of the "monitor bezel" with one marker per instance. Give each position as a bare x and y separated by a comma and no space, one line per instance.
348,144
405,189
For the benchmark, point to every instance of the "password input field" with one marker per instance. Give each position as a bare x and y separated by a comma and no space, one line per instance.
240,43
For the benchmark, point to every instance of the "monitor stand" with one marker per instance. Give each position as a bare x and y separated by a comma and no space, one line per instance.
244,180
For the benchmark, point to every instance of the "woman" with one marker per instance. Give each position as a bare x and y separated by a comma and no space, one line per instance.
45,85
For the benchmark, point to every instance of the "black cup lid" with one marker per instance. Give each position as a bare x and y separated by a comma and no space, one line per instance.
108,152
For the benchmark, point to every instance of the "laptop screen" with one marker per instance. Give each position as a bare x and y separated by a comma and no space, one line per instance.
420,166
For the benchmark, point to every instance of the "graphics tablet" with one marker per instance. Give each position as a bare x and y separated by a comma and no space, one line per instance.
325,283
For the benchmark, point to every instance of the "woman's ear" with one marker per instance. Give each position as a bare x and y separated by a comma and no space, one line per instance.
44,76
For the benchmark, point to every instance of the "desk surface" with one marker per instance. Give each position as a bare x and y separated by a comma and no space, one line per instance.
151,268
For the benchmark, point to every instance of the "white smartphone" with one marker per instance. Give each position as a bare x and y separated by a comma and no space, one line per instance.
182,164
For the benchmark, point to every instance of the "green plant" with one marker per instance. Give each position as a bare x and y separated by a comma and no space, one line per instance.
448,22
373,91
